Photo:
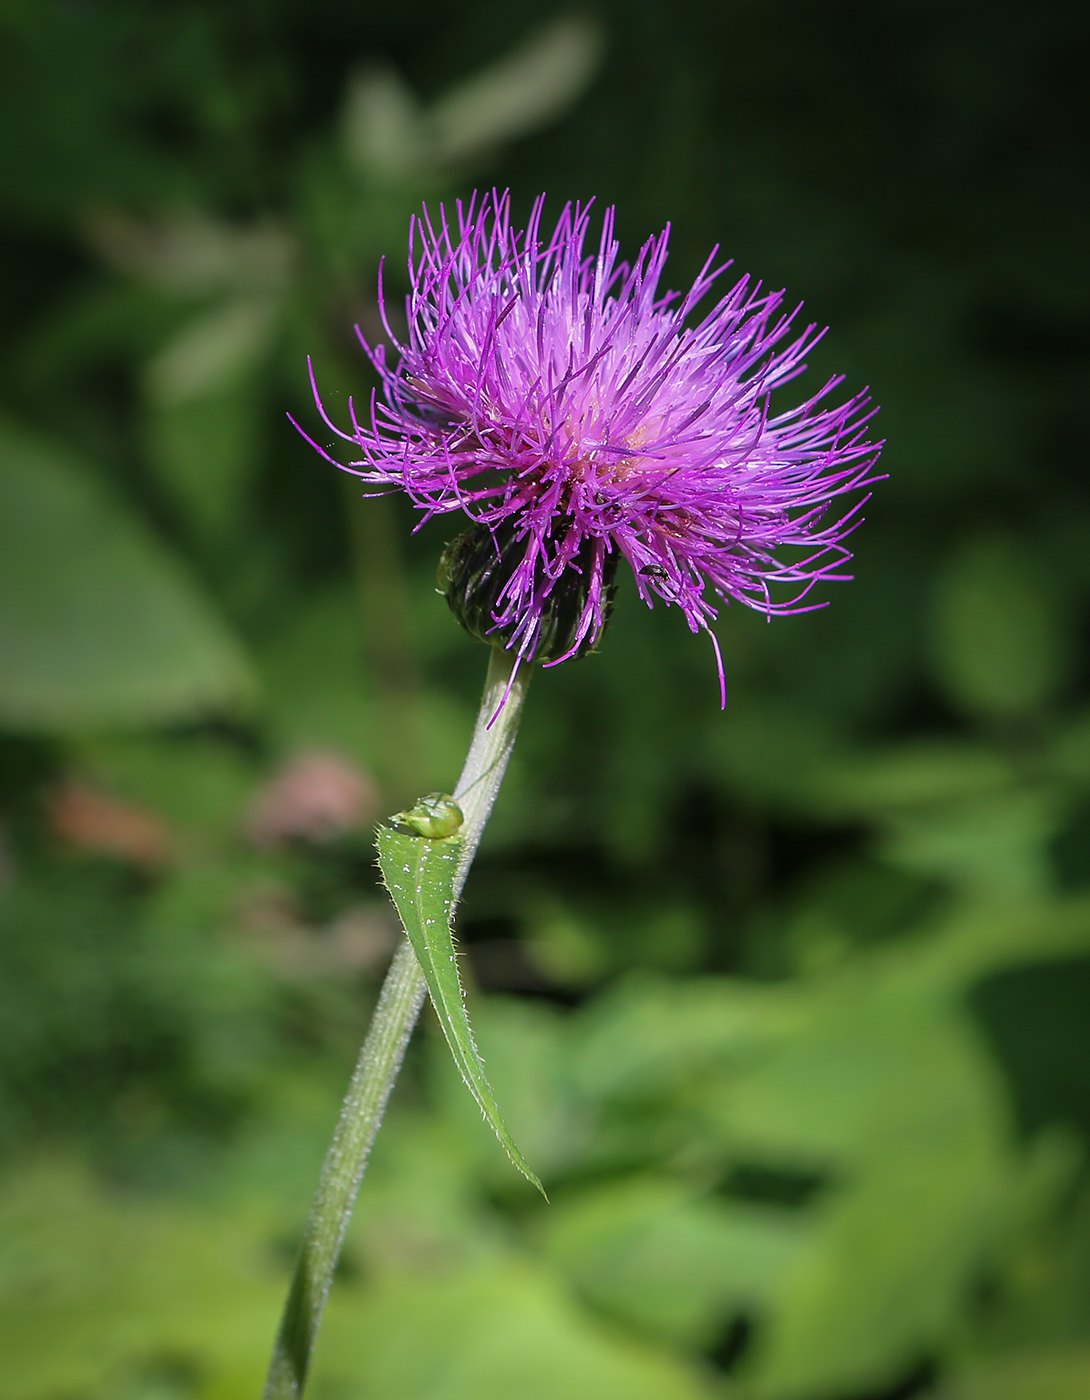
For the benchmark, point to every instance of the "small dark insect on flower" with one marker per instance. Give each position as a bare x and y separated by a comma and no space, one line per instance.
569,409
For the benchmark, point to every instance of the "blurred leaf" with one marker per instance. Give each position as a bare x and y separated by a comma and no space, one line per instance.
524,1044
891,1089
94,1287
99,625
419,873
499,1332
849,904
109,320
194,255
988,936
212,351
200,783
873,1079
567,949
523,91
994,849
668,1262
949,810
381,127
648,1038
315,680
770,751
451,1306
910,775
1048,1375
881,1067
1070,756
385,131
205,450
889,1267
139,1024
999,645
1043,1299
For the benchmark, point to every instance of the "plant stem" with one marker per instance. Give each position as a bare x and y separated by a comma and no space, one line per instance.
384,1048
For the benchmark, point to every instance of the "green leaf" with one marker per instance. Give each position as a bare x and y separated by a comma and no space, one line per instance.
106,1293
523,1043
672,1264
1069,758
1060,1374
99,625
381,128
994,848
315,681
217,349
497,1331
204,451
522,92
914,774
646,1040
889,1090
872,1083
420,873
885,1274
999,645
95,1288
203,404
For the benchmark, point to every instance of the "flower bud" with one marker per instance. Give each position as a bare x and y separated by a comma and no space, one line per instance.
476,568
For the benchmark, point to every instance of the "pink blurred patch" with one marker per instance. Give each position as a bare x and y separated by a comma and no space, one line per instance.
315,796
91,820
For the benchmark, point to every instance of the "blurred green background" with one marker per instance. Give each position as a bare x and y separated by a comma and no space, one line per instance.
789,1005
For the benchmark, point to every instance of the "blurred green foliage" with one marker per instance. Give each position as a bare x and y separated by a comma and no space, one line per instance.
788,1005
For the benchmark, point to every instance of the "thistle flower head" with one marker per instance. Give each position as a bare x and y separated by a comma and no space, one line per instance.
578,414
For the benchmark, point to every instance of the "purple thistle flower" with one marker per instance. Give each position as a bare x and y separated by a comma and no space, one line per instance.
561,401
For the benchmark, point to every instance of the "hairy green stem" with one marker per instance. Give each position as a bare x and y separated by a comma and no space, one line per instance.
384,1048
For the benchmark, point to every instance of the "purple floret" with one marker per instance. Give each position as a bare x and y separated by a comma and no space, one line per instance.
564,395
